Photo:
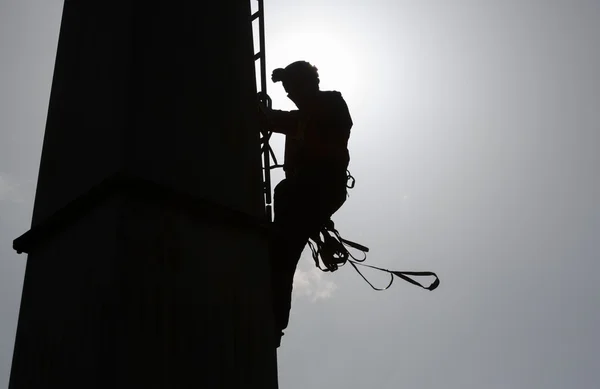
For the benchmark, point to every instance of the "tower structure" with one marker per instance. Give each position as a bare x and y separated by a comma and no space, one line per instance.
147,257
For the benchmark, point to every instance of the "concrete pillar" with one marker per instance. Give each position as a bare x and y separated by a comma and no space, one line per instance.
147,263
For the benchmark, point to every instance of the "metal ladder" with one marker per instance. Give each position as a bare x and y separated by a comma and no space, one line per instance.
263,97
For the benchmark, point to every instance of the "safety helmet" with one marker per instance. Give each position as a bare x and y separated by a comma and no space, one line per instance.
297,72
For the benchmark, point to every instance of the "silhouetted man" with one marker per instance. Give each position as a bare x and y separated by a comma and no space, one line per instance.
315,164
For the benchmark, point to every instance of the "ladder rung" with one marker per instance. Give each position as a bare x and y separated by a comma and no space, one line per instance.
258,55
255,15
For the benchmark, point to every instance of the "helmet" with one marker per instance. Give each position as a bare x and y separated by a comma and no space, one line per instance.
297,72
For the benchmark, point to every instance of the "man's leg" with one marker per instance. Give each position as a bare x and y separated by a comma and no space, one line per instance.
285,254
300,211
287,243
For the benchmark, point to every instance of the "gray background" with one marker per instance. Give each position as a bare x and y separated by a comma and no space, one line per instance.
475,149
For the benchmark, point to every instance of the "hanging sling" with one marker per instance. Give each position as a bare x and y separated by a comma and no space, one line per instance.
332,252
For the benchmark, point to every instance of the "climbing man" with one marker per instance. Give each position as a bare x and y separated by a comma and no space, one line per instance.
315,164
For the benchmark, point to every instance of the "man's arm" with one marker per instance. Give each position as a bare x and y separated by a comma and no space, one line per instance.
282,122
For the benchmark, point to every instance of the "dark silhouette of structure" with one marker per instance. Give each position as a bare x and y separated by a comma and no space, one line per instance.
316,163
147,263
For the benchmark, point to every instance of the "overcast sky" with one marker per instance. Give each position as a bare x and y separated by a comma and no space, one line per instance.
476,152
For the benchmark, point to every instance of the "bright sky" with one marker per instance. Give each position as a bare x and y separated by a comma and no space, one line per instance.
476,153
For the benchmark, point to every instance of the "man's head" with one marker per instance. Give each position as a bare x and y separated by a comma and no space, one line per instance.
300,80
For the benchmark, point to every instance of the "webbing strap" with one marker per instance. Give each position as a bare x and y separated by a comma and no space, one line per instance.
401,274
334,254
